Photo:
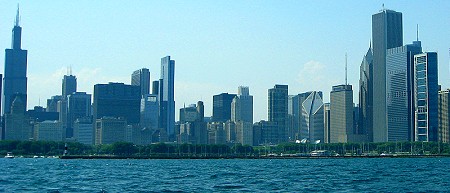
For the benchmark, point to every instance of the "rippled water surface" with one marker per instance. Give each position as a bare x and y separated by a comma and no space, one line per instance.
277,175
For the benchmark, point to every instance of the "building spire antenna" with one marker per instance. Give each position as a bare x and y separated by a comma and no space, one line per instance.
17,16
346,68
417,33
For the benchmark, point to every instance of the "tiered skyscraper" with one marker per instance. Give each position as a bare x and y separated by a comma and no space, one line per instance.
15,78
141,78
387,32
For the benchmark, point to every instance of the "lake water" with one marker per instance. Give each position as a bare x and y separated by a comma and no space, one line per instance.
236,175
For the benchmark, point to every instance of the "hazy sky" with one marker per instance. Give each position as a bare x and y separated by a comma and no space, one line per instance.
217,45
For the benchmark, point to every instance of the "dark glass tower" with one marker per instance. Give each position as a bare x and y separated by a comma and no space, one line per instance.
365,96
387,32
222,107
15,79
278,110
69,85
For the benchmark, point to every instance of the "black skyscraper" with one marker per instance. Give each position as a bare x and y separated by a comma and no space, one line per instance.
15,80
222,107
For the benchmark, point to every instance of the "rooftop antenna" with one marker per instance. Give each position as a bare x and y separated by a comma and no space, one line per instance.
70,70
346,68
17,16
417,33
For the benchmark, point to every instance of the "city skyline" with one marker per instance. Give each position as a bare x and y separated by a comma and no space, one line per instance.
245,47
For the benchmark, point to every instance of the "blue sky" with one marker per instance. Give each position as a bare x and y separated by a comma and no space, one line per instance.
217,45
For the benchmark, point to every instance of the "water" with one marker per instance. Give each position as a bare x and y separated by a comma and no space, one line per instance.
277,175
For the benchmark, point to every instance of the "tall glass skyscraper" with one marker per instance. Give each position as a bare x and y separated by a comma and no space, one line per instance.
426,96
312,120
69,85
222,107
365,96
242,106
167,96
15,78
341,114
141,78
387,32
399,89
278,107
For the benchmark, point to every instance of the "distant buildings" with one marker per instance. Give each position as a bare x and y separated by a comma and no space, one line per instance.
278,111
242,106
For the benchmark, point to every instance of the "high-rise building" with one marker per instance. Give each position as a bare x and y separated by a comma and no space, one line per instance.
244,133
399,90
78,106
278,110
52,103
166,96
242,106
155,87
426,96
69,85
188,114
365,96
341,114
222,107
216,133
109,130
149,111
49,131
265,132
17,124
312,118
387,33
117,100
444,116
326,122
295,115
15,77
83,131
141,78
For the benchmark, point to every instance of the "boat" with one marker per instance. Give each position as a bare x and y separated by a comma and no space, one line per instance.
9,155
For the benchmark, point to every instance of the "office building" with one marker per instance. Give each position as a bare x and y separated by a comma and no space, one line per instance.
69,85
399,89
166,96
52,103
78,106
117,100
189,114
265,132
244,133
312,118
341,114
83,131
365,96
141,78
222,107
15,77
109,130
444,116
277,111
387,33
17,124
326,122
149,111
242,106
216,133
49,131
426,96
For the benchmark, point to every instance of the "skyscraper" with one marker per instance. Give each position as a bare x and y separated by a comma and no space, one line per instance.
278,110
166,96
78,106
69,85
326,122
242,106
365,96
444,116
15,80
149,111
341,114
312,118
387,32
399,90
426,96
222,107
117,100
141,78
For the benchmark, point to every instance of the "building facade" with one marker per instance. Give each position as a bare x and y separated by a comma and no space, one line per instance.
167,96
444,116
312,118
341,114
222,107
141,78
278,110
242,106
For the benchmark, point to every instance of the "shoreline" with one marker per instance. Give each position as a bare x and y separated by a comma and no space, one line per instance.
244,157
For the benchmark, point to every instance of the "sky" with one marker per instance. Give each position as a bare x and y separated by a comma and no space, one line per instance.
217,45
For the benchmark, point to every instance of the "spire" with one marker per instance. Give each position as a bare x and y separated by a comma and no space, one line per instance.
417,33
346,68
17,16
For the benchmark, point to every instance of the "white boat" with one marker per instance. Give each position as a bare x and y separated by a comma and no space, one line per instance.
9,155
